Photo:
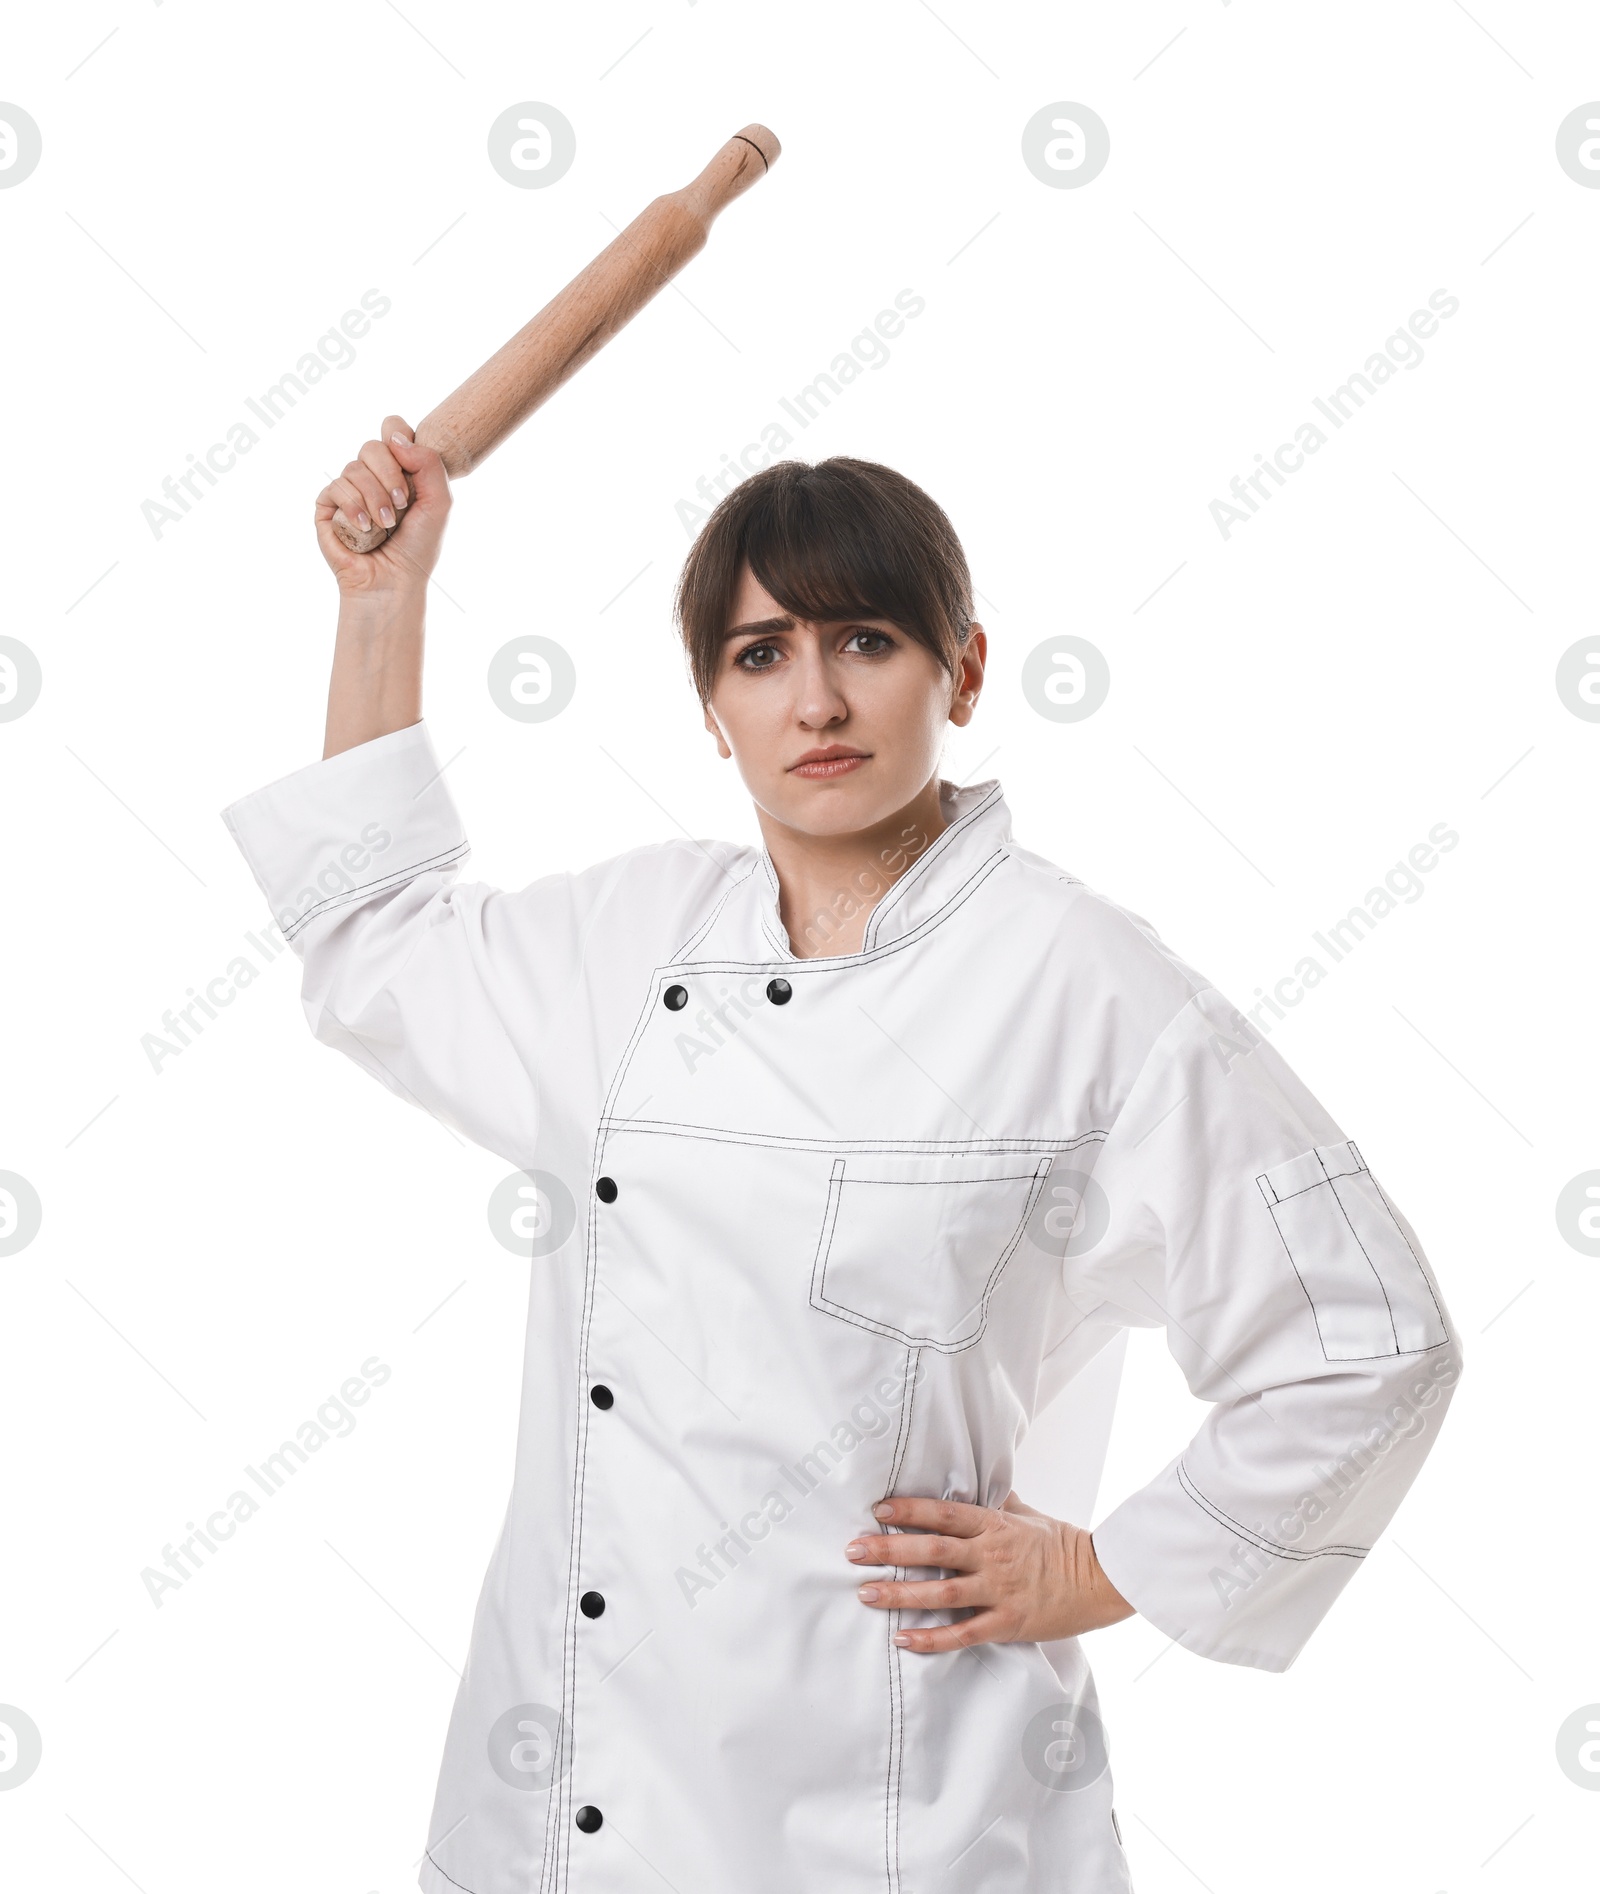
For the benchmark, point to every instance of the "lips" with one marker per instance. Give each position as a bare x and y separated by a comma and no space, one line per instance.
822,765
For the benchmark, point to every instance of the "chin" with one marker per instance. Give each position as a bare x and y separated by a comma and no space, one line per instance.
840,807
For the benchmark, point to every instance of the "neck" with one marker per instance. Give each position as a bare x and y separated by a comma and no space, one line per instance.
828,885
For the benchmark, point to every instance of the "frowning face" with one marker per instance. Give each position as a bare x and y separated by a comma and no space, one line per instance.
834,726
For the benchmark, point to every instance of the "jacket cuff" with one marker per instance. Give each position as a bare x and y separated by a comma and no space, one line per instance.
345,829
1216,1586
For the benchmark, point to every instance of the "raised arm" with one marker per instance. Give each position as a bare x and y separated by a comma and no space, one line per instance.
376,684
464,999
444,991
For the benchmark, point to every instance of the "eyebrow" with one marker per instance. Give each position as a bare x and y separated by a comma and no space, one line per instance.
766,626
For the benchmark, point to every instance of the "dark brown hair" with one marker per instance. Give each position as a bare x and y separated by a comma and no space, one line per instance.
842,539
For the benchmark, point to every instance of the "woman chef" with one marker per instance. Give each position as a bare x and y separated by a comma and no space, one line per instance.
851,1150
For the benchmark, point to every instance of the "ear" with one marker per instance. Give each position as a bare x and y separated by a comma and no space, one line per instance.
716,730
968,681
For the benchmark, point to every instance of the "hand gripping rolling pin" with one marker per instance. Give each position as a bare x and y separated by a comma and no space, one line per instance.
469,425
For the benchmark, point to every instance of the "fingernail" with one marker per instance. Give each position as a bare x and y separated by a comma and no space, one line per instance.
363,522
867,1593
401,439
386,514
398,495
855,1550
882,1510
901,1639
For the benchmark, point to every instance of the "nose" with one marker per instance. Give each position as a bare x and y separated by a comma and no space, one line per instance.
819,701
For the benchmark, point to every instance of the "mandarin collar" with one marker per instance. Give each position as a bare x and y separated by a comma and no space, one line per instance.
978,826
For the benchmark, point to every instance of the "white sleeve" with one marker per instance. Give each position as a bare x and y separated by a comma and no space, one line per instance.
1297,1299
406,970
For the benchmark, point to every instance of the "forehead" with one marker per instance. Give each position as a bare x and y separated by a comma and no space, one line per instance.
751,600
753,604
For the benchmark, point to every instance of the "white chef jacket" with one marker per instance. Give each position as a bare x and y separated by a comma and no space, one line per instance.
814,1231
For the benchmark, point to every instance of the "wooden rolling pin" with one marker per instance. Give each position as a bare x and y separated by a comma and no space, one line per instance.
469,425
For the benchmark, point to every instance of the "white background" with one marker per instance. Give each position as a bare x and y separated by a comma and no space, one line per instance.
227,1240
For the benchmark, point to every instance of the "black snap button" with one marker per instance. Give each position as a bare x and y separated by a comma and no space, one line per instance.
601,1395
675,998
591,1604
588,1818
779,992
606,1190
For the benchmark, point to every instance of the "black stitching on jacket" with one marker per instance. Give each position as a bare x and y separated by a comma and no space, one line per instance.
370,888
706,925
557,1827
897,1726
1256,1539
941,842
834,963
857,1318
448,1875
908,1147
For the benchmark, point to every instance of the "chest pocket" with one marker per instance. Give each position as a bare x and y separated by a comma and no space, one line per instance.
913,1246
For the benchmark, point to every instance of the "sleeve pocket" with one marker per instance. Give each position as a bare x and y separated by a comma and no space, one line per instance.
1369,1291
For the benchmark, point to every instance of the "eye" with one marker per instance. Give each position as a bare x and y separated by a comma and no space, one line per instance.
757,657
877,642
